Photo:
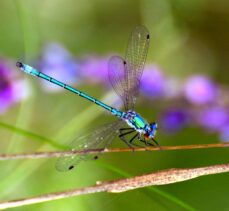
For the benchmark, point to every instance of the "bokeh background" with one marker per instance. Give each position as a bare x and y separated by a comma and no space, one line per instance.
185,89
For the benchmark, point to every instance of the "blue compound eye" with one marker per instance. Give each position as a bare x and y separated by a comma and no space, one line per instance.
153,126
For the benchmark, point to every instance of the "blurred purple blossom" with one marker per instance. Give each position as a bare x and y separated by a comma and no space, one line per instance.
200,89
95,69
174,119
57,62
12,90
213,118
153,82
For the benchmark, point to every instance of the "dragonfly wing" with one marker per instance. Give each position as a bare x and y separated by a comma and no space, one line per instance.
125,75
100,138
116,74
135,60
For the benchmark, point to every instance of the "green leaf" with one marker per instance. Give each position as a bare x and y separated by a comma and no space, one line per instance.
32,135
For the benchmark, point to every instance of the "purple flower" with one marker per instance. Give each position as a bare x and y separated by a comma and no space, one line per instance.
6,89
95,69
57,62
200,89
174,119
11,90
153,82
213,118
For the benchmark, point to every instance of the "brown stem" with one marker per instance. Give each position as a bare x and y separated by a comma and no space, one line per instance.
36,155
157,178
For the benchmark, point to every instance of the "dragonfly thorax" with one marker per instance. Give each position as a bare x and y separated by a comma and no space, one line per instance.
135,121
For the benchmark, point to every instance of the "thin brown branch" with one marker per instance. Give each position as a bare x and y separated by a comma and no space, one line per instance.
157,178
36,155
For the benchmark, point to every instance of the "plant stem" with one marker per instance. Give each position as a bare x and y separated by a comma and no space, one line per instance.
116,186
37,155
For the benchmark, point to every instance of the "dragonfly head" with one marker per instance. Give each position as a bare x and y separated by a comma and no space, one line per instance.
153,126
152,130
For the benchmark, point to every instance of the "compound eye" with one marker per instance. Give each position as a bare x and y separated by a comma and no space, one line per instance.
154,126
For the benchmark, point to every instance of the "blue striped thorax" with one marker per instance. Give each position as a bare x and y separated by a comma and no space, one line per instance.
134,120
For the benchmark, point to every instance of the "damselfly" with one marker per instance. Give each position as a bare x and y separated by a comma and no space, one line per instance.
125,76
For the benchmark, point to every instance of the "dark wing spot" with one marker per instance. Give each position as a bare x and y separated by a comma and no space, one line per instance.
147,36
124,62
70,167
96,157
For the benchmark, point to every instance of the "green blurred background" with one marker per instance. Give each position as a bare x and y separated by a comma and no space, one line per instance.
186,37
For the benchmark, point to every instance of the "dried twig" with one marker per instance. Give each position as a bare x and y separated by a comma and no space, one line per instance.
158,178
92,151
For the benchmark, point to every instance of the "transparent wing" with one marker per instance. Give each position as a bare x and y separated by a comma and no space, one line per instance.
116,73
125,75
100,138
135,60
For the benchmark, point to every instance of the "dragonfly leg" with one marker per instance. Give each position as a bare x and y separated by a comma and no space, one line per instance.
144,141
133,138
158,145
127,128
150,144
127,143
126,133
122,137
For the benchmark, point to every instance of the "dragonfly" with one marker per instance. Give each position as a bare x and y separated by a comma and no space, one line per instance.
125,77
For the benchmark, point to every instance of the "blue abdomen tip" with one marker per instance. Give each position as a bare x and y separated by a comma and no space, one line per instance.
19,64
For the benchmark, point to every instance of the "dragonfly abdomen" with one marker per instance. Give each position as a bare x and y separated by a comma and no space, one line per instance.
30,70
